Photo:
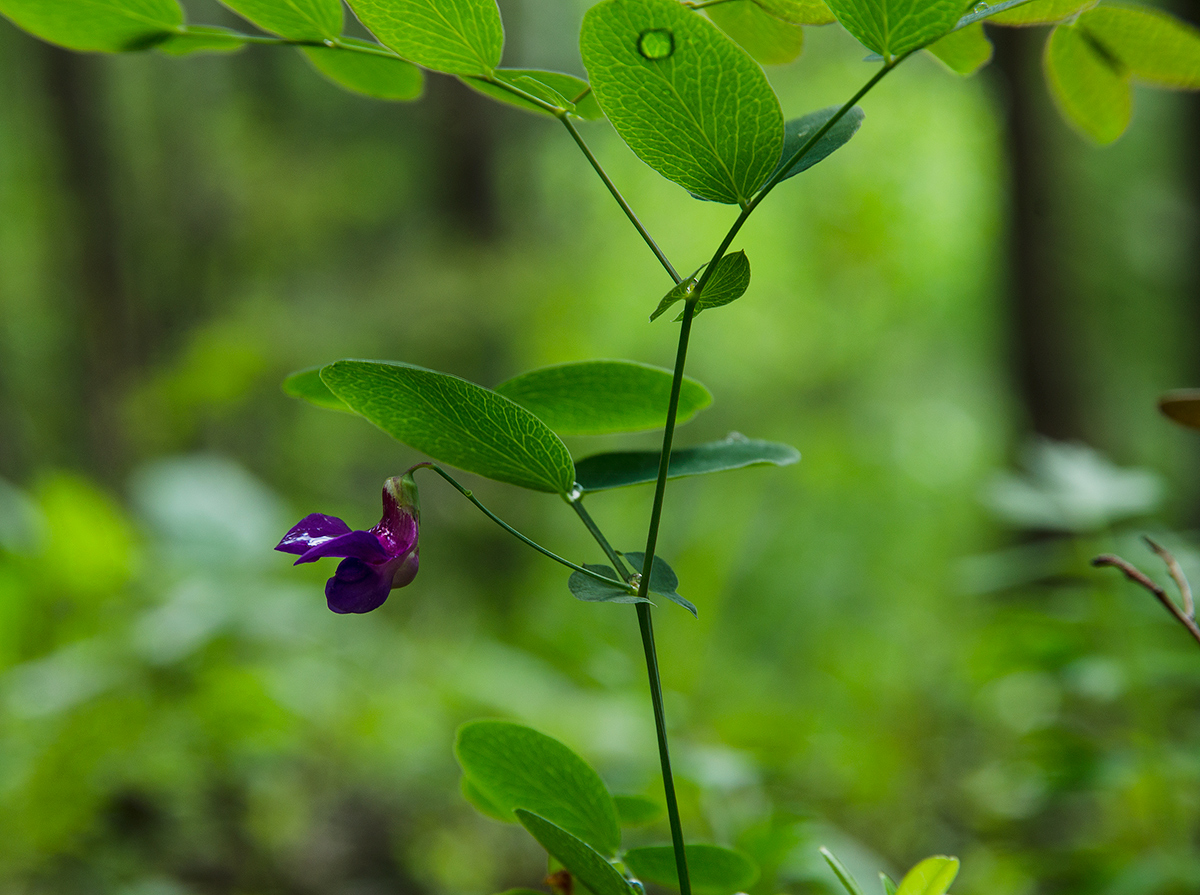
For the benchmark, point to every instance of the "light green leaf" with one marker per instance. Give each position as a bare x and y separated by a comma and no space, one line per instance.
686,99
109,26
663,580
459,37
932,876
1092,90
307,386
798,131
373,74
455,421
294,19
770,40
712,870
964,51
600,472
728,283
482,803
1157,48
603,396
845,877
547,85
894,27
586,588
799,12
201,39
584,862
637,811
889,885
1039,12
1183,406
513,766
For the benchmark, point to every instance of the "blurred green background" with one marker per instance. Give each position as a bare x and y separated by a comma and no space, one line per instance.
901,649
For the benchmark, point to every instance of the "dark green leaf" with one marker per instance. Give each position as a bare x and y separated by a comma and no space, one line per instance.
307,386
201,39
889,885
845,877
893,27
517,767
295,19
799,131
637,811
584,862
712,870
681,291
799,12
459,37
603,396
663,580
1157,48
932,876
373,74
546,85
1183,406
455,421
770,40
964,51
1038,12
686,99
729,282
1091,88
586,588
110,26
600,472
482,803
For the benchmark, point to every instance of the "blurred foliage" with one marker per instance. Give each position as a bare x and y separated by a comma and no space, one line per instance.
881,664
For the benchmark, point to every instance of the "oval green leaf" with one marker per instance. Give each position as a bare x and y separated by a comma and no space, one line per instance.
483,804
459,37
603,396
637,811
663,580
513,766
688,101
202,39
600,472
894,27
798,131
728,283
584,862
545,85
799,12
589,590
455,421
293,19
964,51
712,869
1183,406
1037,12
932,876
1157,48
370,73
110,26
307,386
769,39
1091,89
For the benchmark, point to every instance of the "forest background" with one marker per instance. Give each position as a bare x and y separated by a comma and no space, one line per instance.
963,320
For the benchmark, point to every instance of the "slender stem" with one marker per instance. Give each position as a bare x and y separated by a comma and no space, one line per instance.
1133,574
331,44
1176,571
594,529
508,528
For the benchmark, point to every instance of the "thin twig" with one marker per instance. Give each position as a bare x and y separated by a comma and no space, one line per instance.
1180,579
1133,574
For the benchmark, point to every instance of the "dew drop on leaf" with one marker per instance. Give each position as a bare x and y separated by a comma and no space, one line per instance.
656,43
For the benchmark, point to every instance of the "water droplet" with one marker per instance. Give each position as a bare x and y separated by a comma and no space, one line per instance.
980,7
656,43
575,493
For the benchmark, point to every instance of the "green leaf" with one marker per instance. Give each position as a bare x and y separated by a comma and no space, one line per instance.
845,877
1183,406
798,131
1092,90
712,870
373,74
799,12
294,19
663,580
455,421
1039,12
459,37
964,51
110,26
520,891
1157,48
686,99
728,283
547,85
307,386
603,396
584,862
637,811
894,27
513,766
889,885
482,803
201,39
932,876
586,588
770,40
600,472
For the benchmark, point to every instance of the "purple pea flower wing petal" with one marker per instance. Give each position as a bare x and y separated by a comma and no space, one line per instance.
357,586
312,530
361,545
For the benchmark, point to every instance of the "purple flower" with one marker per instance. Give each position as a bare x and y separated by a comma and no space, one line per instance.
376,560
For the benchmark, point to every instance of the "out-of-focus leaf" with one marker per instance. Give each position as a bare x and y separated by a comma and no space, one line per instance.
295,19
889,885
798,12
373,74
1039,12
932,876
799,131
770,40
483,804
582,102
964,51
712,870
637,811
459,37
307,386
600,472
1157,48
586,588
1091,88
110,26
663,580
845,877
584,862
893,27
201,39
1183,406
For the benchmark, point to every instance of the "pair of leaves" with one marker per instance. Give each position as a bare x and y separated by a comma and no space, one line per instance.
931,876
663,582
729,282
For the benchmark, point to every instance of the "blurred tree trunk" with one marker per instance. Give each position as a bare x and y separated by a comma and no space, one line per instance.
464,157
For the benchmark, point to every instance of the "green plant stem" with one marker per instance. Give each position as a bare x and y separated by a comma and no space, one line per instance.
508,528
331,44
594,529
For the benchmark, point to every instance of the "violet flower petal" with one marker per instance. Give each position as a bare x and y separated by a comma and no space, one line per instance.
361,545
357,586
310,531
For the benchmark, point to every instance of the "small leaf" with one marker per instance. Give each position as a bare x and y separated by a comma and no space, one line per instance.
201,39
932,876
584,862
1039,12
110,26
603,396
686,99
799,12
1092,89
307,386
889,885
964,51
712,870
618,469
294,19
637,811
799,131
769,39
581,102
373,74
663,580
729,282
1183,406
894,27
513,766
459,37
845,877
586,588
455,421
482,803
1157,48
679,292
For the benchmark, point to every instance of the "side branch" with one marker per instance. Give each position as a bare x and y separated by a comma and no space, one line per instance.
1186,616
